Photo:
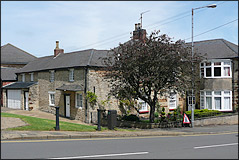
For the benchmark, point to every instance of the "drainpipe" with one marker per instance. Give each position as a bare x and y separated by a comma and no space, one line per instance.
85,90
233,94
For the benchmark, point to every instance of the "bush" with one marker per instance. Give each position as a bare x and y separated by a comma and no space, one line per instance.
130,117
203,113
156,114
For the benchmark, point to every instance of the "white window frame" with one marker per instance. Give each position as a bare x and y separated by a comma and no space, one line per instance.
52,75
23,77
31,77
212,66
223,96
79,104
51,101
143,105
71,75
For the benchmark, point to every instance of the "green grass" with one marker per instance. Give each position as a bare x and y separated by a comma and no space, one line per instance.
39,124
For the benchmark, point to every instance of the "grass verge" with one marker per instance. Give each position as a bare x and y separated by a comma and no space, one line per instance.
39,124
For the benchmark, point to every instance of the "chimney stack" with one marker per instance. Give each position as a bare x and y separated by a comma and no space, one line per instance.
57,50
139,33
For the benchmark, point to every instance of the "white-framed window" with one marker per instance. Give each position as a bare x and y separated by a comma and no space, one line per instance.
216,100
219,68
52,75
143,107
71,75
23,77
51,98
79,100
32,77
172,101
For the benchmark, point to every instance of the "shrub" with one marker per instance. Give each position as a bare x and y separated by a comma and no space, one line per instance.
156,114
203,113
130,117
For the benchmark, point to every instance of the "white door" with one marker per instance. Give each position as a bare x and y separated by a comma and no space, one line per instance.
26,101
14,99
67,106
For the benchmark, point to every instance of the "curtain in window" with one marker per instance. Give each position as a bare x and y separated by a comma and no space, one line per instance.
209,102
226,71
227,103
217,102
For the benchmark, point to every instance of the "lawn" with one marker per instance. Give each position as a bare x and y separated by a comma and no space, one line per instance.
39,124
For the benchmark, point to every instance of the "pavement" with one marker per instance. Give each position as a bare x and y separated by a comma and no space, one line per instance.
7,122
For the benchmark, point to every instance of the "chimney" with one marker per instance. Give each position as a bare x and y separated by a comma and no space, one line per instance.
57,50
139,33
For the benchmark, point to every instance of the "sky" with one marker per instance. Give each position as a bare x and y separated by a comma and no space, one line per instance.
35,26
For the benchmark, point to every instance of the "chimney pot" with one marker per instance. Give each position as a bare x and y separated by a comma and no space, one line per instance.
57,44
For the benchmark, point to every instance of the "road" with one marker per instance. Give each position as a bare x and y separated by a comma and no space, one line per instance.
217,146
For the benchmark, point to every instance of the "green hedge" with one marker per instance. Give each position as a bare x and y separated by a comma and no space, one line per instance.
130,117
199,113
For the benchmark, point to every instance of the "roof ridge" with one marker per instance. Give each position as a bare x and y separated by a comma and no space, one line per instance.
223,40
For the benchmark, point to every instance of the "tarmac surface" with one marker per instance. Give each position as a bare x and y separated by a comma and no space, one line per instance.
8,122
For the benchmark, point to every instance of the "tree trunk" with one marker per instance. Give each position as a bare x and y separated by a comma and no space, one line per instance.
151,114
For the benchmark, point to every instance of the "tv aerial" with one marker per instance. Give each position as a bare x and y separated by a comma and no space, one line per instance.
141,18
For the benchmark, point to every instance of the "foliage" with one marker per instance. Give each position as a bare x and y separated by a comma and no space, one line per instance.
92,98
142,69
39,124
130,117
156,114
203,113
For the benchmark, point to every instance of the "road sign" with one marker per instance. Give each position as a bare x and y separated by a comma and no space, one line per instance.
185,119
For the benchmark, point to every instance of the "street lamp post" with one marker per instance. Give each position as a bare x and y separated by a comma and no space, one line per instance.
193,104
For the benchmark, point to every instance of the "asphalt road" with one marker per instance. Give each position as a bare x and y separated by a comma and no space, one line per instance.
218,146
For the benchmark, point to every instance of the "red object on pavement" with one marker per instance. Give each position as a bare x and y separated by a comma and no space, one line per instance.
185,119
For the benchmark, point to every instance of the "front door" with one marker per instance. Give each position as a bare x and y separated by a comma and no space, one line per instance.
26,100
67,104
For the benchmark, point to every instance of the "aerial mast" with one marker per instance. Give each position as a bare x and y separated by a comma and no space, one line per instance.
141,18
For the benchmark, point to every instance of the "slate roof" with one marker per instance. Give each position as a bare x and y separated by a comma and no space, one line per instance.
216,48
19,85
83,58
71,88
8,74
10,54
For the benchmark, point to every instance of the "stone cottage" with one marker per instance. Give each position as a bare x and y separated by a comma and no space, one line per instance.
63,80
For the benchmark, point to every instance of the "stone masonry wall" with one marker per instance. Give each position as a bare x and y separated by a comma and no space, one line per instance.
61,77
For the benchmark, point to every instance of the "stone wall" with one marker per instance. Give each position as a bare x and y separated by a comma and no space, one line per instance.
98,85
235,84
33,100
61,78
217,120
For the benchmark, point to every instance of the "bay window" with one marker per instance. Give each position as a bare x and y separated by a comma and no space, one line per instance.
216,100
220,68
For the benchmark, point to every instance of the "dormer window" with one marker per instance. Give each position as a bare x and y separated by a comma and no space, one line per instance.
23,77
71,75
52,76
32,77
215,69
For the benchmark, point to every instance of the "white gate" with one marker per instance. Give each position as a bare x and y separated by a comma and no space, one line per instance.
14,99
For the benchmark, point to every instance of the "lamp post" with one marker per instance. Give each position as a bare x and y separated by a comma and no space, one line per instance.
192,107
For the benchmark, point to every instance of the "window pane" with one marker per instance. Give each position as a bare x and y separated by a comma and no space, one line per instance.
202,72
202,64
209,102
201,93
217,71
208,72
226,71
217,63
208,64
217,102
226,63
226,93
227,103
217,93
208,93
202,101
